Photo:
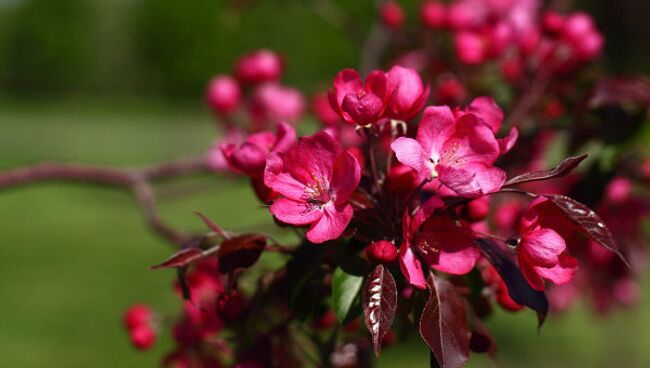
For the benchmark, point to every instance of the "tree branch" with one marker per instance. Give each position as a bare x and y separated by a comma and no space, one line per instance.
138,180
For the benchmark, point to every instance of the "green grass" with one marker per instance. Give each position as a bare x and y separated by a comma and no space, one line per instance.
74,256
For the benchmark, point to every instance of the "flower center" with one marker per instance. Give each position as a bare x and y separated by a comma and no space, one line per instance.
318,193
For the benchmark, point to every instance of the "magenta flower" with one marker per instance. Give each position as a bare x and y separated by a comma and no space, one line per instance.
407,93
316,178
442,243
259,66
542,251
273,103
250,156
458,152
355,102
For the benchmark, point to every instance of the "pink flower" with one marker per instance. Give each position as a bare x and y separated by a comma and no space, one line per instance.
215,158
444,244
316,178
542,251
392,15
407,94
355,102
458,152
259,66
250,156
273,103
223,94
433,14
489,112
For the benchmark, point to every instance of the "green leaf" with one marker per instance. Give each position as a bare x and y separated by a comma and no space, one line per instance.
345,291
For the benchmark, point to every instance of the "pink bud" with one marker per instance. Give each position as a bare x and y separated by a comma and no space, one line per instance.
470,48
618,190
223,94
143,337
552,21
138,315
577,25
450,91
433,14
363,109
478,209
392,15
230,305
381,251
589,46
259,66
273,103
465,14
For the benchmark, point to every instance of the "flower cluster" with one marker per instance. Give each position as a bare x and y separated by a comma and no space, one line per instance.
411,195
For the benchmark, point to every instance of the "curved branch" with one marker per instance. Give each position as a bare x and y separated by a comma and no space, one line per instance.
138,180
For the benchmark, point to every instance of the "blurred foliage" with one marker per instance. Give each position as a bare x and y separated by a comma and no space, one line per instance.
173,47
47,45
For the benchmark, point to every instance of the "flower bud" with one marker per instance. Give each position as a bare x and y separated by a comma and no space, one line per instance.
392,15
230,305
143,337
478,209
138,315
470,47
552,21
381,251
223,94
618,190
433,14
259,66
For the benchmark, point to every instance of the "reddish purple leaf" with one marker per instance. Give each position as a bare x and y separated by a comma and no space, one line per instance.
209,223
379,300
182,258
443,324
564,168
588,222
241,251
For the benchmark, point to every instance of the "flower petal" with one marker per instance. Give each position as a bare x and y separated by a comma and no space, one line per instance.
471,180
411,267
280,181
488,110
331,225
542,247
295,212
561,274
345,176
410,153
436,127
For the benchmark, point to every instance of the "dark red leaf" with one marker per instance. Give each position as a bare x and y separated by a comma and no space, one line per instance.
518,288
241,251
210,224
182,258
379,300
588,222
564,168
614,91
443,324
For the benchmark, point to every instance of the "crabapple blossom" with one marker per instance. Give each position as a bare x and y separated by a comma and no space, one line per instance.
273,103
433,14
407,93
316,179
359,103
392,14
458,152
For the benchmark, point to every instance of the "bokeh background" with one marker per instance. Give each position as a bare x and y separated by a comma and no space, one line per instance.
120,82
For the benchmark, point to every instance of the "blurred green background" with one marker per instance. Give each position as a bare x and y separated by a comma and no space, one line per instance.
120,82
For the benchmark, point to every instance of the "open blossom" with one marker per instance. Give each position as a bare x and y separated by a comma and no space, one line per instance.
407,93
459,152
249,157
542,252
316,178
444,244
359,103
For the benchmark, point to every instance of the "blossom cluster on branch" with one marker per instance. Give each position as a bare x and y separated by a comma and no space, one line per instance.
421,201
